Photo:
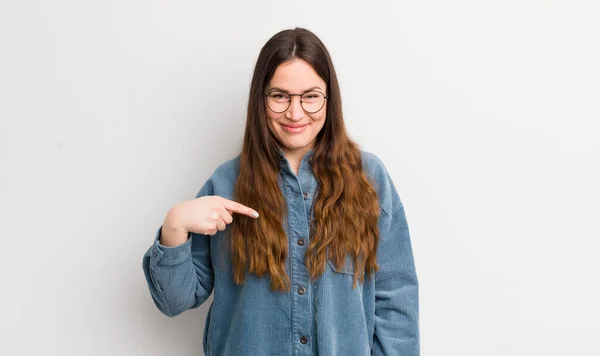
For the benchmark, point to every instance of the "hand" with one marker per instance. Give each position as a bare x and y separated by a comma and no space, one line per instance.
205,215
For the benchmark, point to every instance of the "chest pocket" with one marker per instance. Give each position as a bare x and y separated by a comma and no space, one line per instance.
347,268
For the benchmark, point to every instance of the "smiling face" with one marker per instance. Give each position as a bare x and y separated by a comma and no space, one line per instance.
295,129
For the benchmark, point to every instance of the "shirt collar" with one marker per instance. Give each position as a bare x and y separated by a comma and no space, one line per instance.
308,155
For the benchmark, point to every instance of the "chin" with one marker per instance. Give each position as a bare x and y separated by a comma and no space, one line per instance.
295,147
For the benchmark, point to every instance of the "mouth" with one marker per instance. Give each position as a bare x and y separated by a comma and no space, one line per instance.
294,128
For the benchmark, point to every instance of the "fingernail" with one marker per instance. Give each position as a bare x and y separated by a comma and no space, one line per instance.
255,214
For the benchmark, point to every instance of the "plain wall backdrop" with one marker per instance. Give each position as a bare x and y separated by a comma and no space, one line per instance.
485,113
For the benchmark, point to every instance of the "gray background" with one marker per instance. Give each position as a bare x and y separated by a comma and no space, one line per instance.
485,113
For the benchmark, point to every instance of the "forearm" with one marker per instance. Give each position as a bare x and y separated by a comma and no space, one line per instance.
397,317
173,232
176,281
396,291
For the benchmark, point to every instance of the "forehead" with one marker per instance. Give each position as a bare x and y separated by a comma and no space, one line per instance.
296,76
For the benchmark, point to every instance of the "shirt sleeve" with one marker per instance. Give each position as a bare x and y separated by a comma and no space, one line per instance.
181,277
396,283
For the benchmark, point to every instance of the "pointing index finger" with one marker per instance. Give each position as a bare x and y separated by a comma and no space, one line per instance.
239,208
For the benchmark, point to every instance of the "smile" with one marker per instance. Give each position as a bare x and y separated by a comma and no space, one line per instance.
294,129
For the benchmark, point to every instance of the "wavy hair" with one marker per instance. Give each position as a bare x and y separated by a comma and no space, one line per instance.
346,205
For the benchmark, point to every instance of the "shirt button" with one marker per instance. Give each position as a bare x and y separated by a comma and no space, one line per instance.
301,242
305,195
301,290
154,251
304,340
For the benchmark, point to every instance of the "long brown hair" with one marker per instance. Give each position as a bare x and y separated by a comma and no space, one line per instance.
346,206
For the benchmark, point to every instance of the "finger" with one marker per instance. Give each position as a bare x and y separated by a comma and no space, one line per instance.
221,225
226,217
239,208
211,232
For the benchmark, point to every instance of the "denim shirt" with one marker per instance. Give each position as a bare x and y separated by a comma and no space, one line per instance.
325,317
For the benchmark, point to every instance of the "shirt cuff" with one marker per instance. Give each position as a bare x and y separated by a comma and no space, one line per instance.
167,255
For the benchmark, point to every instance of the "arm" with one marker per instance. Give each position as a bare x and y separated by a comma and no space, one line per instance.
396,283
180,277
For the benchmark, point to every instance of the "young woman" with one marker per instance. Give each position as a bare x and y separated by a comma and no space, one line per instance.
327,267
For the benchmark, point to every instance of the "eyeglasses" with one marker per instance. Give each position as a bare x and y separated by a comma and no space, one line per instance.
311,101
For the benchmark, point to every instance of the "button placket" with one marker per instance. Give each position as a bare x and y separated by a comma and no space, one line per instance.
298,190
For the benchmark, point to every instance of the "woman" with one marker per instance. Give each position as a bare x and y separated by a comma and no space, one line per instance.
327,267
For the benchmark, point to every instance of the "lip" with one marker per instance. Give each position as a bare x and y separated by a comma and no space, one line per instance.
294,128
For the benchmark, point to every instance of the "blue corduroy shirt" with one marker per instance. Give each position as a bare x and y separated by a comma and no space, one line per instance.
325,317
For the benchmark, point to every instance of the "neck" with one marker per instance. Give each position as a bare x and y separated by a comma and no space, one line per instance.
294,157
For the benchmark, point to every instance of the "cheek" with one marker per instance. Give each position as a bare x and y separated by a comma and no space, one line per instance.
322,114
273,117
319,120
272,122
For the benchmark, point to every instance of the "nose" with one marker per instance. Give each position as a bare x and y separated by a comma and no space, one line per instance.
295,111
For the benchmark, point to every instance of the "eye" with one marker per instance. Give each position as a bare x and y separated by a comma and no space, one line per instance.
278,95
312,97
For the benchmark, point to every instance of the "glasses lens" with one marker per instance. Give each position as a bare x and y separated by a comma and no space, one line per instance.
278,101
312,101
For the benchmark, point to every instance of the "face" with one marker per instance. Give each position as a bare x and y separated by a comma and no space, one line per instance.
296,129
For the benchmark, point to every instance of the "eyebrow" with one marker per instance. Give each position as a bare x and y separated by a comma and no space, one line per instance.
286,91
